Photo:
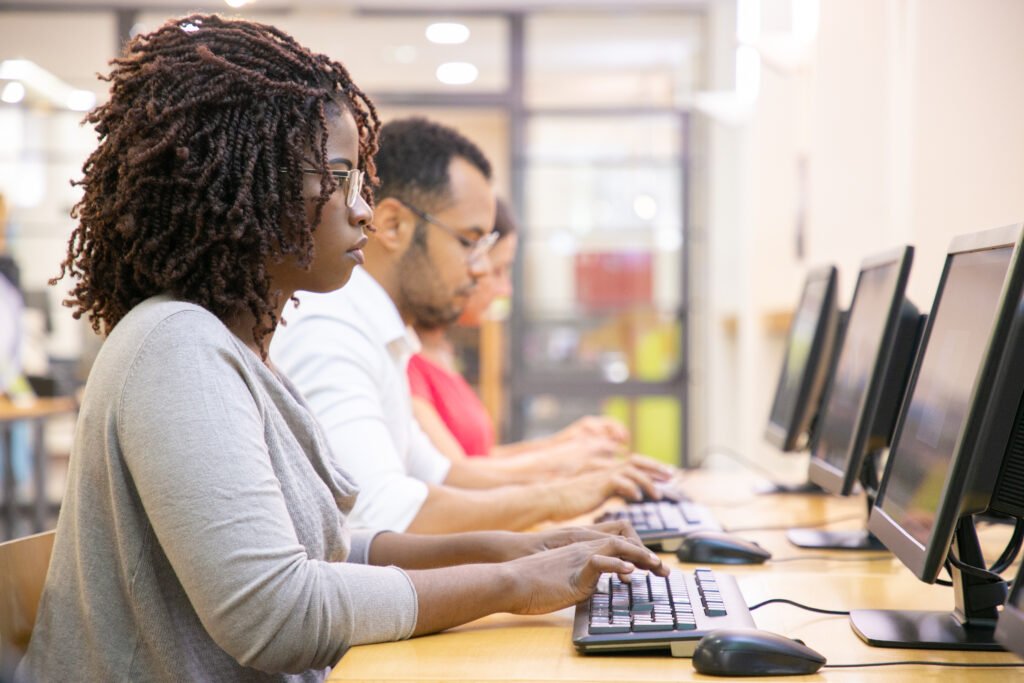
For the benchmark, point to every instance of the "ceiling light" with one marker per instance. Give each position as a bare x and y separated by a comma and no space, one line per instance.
457,73
30,79
81,100
645,206
404,54
13,93
237,3
447,33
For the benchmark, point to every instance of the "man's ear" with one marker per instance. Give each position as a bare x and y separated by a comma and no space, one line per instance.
395,225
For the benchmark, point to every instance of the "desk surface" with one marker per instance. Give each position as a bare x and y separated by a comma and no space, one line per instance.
539,648
36,408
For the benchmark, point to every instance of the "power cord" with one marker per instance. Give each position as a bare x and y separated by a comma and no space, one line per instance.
907,662
740,458
922,662
786,527
794,603
832,558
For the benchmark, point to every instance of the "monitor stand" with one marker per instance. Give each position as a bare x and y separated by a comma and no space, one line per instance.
807,488
854,539
970,626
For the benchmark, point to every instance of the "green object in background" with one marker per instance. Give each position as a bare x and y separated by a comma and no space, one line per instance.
656,429
655,424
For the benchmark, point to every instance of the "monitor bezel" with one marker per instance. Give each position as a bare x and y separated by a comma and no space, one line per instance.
785,437
925,561
820,471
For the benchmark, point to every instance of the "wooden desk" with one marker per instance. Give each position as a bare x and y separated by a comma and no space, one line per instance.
36,412
539,648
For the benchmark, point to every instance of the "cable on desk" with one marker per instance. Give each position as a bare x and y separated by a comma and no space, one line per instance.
832,558
740,458
922,662
787,527
794,603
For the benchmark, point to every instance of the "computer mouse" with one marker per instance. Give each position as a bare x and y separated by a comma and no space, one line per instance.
715,547
750,652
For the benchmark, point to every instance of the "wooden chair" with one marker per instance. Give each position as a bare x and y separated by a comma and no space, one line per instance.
23,565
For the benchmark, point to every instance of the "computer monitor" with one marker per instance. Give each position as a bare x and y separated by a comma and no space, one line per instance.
956,449
863,397
1010,629
809,350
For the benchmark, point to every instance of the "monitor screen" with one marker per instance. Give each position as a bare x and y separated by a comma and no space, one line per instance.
934,413
810,336
872,305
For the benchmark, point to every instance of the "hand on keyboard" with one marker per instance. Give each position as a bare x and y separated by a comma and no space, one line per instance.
529,543
583,493
557,578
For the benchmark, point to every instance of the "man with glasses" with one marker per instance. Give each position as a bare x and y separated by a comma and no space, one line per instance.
347,351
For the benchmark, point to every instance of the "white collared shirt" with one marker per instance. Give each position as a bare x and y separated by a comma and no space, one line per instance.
347,353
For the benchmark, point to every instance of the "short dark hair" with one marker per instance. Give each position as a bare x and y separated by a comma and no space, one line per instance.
413,158
197,179
504,220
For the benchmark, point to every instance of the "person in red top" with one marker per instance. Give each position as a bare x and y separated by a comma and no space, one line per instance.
454,417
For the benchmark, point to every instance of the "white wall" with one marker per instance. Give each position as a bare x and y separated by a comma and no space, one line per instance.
908,115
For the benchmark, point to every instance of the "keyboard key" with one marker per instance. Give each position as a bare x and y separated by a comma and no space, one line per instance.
609,628
652,626
715,610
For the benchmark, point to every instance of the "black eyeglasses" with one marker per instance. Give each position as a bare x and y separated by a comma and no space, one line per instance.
475,249
350,181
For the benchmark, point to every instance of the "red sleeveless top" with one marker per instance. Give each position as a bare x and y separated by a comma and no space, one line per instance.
455,401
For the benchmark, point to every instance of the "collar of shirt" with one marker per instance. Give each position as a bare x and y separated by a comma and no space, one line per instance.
376,308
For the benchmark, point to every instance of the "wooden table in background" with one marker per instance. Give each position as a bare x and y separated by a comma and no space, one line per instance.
539,648
38,411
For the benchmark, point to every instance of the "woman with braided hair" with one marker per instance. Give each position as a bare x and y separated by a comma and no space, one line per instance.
203,534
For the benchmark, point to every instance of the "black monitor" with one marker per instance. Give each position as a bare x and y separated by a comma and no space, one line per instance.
956,449
864,392
809,350
1010,629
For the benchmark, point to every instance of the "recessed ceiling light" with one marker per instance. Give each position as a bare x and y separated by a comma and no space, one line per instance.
237,3
457,73
404,54
645,206
13,93
447,33
81,100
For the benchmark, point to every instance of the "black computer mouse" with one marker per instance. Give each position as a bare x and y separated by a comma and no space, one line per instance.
750,652
716,547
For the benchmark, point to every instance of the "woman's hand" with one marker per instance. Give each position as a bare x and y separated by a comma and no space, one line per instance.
596,425
553,579
519,545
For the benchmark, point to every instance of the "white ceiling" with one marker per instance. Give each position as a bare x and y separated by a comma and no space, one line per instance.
369,5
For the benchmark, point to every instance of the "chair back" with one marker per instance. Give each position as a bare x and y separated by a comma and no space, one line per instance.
23,566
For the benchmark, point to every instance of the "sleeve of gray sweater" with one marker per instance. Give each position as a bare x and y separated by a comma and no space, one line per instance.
210,481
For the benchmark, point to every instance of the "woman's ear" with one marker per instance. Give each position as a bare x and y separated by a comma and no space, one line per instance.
395,225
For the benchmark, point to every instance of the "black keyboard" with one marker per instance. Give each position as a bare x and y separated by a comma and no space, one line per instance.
662,524
650,612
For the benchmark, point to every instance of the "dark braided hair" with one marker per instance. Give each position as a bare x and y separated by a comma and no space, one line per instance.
196,183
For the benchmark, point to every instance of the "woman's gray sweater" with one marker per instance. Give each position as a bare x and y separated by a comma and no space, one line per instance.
202,535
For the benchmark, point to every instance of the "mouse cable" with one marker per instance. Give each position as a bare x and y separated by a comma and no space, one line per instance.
832,558
736,456
787,527
800,605
924,662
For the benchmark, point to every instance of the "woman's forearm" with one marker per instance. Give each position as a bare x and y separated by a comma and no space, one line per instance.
422,551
